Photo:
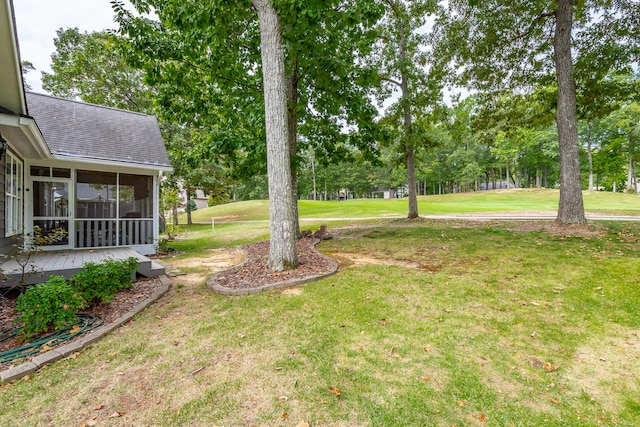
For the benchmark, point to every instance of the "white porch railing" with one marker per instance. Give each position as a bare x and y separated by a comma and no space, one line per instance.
96,233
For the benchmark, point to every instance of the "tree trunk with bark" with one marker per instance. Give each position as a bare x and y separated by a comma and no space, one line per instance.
571,206
292,120
282,250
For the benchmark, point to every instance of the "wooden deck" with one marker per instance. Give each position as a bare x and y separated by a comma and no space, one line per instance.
67,263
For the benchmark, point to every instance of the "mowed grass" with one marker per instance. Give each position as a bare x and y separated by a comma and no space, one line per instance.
430,323
476,202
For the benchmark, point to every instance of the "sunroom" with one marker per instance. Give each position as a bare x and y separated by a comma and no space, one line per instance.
101,183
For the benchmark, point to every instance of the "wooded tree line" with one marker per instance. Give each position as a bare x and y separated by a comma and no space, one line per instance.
354,95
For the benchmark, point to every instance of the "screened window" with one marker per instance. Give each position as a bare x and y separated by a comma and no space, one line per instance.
13,195
96,194
136,196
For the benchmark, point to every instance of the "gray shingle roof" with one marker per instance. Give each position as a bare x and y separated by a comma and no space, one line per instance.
88,131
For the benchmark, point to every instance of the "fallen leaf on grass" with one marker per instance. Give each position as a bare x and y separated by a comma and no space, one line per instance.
303,424
549,367
335,391
284,415
117,414
98,406
461,403
483,418
90,422
554,401
425,378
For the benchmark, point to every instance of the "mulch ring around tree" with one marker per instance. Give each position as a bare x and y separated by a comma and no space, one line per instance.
253,275
122,303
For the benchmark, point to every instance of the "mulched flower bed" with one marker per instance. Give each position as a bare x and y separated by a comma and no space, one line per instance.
121,304
253,273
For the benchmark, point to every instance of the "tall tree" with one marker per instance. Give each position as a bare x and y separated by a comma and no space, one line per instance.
506,45
282,250
204,59
91,67
404,66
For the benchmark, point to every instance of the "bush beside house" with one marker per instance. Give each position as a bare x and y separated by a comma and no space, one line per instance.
53,304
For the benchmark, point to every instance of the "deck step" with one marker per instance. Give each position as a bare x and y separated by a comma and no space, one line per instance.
151,269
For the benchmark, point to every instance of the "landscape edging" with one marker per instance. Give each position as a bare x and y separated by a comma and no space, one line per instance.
63,351
223,290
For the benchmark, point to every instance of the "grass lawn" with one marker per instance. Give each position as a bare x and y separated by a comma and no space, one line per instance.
427,323
486,201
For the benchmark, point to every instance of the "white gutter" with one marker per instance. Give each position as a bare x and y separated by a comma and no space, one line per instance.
118,163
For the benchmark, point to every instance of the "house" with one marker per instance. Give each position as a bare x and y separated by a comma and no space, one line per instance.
90,170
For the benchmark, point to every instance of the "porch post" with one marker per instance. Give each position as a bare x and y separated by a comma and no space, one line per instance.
156,207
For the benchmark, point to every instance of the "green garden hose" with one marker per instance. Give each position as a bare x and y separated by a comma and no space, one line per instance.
85,323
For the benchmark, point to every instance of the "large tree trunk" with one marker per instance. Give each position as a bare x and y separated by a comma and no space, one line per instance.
282,250
571,206
292,119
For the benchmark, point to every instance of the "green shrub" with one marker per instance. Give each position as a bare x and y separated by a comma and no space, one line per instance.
100,282
163,246
49,305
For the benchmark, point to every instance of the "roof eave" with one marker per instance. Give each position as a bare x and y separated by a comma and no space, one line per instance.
31,130
105,162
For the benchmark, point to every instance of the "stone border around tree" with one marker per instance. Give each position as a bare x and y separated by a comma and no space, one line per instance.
223,290
94,336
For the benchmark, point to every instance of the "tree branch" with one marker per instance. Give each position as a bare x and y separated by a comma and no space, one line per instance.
537,19
388,80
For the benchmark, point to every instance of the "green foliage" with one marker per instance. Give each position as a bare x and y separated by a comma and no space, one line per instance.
191,206
99,282
28,245
49,305
222,96
163,247
91,66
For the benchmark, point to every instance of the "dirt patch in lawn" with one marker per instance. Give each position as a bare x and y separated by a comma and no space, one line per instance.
359,260
217,259
587,231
